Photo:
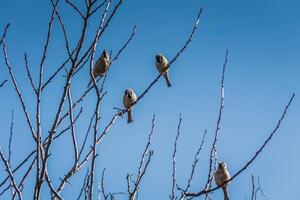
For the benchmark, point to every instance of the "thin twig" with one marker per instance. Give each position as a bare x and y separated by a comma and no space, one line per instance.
98,7
4,32
125,45
21,184
194,165
29,74
73,132
84,182
143,165
10,136
105,196
86,136
52,189
259,189
3,82
253,187
18,167
62,66
11,176
172,196
75,8
18,91
218,126
63,29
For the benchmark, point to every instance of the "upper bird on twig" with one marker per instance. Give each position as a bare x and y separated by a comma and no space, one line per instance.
101,66
162,65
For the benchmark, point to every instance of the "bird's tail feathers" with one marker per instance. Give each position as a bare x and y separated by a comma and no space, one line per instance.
166,76
226,197
130,118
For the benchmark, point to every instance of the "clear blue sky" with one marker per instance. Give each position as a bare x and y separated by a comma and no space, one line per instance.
263,71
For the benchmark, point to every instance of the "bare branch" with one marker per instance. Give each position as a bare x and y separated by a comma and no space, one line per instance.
73,128
202,192
75,8
256,189
86,136
21,184
143,165
194,165
3,82
259,189
52,189
105,196
18,91
217,131
132,195
11,176
63,29
84,183
18,167
62,66
67,128
4,33
98,7
253,187
125,45
172,196
10,136
29,74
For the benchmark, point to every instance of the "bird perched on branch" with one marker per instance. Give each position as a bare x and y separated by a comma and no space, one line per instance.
162,65
101,66
221,176
128,100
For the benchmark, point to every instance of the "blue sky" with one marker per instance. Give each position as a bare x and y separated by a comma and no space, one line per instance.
263,71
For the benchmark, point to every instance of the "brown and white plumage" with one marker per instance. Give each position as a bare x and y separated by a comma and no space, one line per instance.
101,66
162,65
221,176
128,100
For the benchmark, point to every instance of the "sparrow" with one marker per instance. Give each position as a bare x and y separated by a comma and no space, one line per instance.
162,65
221,176
128,100
101,66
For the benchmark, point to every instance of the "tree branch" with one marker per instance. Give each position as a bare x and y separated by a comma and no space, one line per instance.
259,151
11,176
172,196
